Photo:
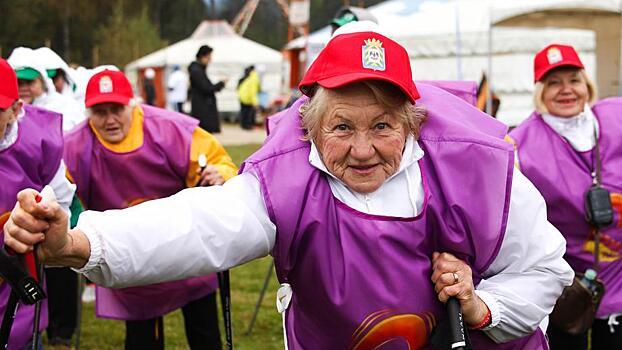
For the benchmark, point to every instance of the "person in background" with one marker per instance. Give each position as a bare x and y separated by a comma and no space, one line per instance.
203,91
31,148
149,87
248,89
177,89
58,70
347,14
364,194
556,149
129,154
37,89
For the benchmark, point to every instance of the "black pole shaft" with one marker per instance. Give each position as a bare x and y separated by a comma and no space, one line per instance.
81,285
37,319
457,338
7,320
225,291
225,300
261,296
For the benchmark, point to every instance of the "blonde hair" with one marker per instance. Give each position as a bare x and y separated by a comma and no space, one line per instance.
388,95
538,93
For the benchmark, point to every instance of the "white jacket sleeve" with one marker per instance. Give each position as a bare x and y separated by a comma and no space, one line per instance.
523,283
192,233
63,189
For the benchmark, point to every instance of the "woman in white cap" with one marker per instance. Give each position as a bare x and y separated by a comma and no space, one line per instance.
374,218
37,89
570,144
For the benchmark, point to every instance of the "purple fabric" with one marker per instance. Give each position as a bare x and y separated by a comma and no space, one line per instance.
466,90
109,180
330,253
562,175
31,162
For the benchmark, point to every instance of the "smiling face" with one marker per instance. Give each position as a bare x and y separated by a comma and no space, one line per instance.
359,141
111,120
565,92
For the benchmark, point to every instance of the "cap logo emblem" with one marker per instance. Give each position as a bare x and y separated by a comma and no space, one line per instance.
373,55
553,55
105,85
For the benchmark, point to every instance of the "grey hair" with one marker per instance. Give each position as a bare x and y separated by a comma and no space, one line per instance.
538,93
388,95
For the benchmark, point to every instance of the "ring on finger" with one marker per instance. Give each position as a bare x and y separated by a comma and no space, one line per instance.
456,277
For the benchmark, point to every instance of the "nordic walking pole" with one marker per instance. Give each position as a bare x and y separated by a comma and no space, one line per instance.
223,279
457,338
81,282
261,296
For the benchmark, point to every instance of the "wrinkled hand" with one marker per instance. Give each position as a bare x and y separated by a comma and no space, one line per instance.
31,223
210,176
452,277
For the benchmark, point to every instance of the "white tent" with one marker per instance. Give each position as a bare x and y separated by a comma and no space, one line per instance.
449,40
604,17
232,53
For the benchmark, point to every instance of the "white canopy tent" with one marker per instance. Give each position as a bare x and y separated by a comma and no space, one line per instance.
232,53
449,40
604,17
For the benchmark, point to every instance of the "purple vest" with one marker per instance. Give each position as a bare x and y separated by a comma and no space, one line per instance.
31,162
466,90
362,281
562,175
109,180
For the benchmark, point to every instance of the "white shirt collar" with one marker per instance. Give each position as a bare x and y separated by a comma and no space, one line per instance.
577,130
412,153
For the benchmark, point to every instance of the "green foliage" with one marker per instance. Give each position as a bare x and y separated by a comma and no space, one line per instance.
116,31
125,38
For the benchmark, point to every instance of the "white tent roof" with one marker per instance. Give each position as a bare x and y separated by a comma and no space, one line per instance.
602,17
232,53
507,10
427,28
428,31
229,48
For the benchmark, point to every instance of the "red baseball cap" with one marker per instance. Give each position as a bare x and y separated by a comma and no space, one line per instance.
8,85
554,56
108,86
351,57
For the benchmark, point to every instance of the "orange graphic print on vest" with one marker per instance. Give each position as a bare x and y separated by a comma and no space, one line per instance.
383,328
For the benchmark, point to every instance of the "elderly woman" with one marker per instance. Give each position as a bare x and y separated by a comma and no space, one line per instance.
31,148
557,151
373,218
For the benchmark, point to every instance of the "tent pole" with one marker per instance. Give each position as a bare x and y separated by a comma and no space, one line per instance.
458,42
489,77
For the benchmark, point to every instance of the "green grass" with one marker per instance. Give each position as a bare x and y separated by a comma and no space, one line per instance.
246,283
239,153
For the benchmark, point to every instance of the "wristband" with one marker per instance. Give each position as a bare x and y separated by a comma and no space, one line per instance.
485,322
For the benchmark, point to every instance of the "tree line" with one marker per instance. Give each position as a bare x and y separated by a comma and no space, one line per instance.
116,32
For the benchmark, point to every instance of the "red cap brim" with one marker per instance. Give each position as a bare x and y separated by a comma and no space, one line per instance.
543,72
344,79
107,98
6,102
